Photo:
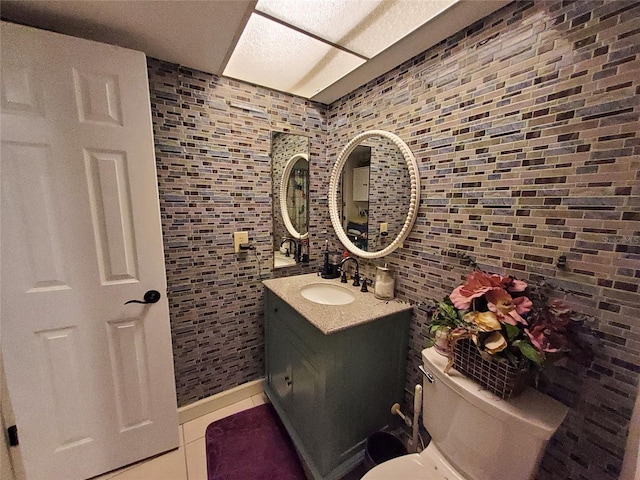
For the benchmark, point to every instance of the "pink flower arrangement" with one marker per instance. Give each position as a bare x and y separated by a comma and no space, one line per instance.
496,291
503,322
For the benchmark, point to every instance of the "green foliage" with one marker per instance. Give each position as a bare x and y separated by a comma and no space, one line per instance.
512,332
446,315
530,352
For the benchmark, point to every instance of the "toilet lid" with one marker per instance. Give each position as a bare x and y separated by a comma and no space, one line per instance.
428,465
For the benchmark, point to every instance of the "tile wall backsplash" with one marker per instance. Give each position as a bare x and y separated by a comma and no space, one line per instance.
526,129
213,139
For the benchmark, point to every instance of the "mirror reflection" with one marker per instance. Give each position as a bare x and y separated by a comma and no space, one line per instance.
290,179
376,193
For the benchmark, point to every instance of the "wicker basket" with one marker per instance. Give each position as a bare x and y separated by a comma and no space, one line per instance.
500,378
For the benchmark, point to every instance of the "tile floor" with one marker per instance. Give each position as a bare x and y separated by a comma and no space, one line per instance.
188,462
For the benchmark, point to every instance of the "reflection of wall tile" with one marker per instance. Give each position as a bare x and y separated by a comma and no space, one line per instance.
389,192
525,129
283,147
213,139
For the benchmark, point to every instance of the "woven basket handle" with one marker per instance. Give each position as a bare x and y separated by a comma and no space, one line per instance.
455,337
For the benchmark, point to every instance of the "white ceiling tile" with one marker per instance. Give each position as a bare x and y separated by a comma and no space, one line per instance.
275,56
366,27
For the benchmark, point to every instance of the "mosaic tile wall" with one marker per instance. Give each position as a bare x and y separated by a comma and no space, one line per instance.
212,141
389,192
527,134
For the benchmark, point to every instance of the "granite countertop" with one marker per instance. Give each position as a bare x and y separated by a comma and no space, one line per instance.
333,318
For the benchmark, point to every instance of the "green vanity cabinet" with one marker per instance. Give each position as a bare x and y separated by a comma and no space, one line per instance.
333,390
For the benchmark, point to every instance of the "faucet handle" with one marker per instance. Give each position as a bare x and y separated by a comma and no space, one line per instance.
356,279
364,285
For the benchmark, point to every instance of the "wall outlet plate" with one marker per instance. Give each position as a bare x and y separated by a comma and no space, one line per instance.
238,239
383,227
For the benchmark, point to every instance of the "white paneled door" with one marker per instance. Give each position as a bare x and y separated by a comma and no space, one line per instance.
90,378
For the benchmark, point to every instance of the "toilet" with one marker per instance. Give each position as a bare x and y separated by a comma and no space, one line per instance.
474,434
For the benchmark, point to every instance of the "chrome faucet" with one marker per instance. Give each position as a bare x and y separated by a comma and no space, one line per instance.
292,243
356,276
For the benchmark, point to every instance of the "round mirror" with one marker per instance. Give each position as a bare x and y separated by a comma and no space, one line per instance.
374,194
294,189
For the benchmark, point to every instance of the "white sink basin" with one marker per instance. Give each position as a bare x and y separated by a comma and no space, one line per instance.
327,294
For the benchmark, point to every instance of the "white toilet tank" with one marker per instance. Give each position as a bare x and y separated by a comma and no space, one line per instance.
482,436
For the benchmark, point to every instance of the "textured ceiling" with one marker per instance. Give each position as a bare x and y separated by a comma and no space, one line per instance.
202,34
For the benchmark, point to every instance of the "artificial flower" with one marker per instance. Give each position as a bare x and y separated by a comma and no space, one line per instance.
476,286
549,329
513,285
479,283
523,305
506,308
558,308
485,321
539,340
501,300
495,312
495,343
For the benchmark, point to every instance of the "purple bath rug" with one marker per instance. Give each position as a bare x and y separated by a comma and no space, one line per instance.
251,445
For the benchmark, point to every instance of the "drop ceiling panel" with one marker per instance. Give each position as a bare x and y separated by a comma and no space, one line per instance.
334,20
366,27
455,18
278,57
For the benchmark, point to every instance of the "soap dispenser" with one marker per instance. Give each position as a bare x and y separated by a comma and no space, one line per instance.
384,286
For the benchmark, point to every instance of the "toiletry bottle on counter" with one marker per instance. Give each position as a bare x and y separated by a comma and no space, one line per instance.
383,288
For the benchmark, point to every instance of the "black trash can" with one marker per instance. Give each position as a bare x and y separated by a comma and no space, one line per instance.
382,446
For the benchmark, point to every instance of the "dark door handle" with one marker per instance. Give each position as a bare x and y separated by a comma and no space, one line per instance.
151,296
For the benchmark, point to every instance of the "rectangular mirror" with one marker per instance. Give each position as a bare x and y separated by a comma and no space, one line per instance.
290,180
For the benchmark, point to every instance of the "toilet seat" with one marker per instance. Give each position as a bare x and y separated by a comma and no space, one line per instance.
427,465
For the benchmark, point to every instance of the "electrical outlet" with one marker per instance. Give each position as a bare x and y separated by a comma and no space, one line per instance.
238,239
383,227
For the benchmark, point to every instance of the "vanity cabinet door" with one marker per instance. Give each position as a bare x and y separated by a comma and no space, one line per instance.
279,371
307,399
296,377
293,373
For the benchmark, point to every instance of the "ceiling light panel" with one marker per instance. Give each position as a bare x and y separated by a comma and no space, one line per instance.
278,57
366,27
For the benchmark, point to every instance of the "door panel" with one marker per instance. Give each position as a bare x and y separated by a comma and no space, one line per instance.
112,215
97,97
28,186
91,379
62,378
20,90
130,371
